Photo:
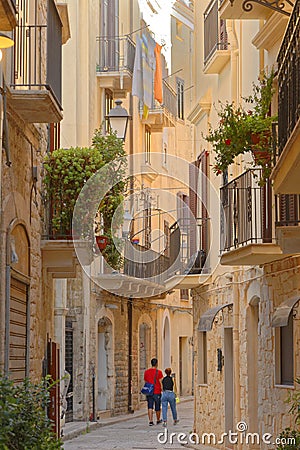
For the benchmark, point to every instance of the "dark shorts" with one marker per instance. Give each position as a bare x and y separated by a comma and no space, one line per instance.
154,400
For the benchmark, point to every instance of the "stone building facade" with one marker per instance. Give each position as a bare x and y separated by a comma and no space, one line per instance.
246,311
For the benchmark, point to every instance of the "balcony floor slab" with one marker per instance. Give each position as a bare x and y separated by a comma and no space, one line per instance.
252,255
186,281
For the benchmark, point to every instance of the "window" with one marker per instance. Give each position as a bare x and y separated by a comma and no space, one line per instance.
184,294
167,238
147,144
109,102
180,98
202,357
284,339
53,136
179,29
147,226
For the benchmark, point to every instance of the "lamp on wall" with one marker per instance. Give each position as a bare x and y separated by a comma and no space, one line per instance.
118,119
5,41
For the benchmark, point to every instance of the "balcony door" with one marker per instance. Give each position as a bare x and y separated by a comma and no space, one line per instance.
109,31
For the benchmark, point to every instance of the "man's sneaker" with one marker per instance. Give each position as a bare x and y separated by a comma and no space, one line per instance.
158,422
151,424
176,421
164,423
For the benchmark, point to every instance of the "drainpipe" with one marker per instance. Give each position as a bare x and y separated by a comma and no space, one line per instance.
236,353
129,312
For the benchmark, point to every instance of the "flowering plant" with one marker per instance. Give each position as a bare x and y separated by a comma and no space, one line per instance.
241,130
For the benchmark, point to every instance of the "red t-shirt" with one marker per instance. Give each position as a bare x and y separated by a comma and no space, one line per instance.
149,376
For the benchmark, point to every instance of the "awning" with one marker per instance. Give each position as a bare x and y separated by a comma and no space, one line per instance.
282,313
207,319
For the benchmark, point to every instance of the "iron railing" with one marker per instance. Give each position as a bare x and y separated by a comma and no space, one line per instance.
169,101
37,62
182,258
246,211
115,54
142,262
215,34
289,79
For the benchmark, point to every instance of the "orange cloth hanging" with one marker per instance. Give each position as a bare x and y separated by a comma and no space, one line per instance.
158,91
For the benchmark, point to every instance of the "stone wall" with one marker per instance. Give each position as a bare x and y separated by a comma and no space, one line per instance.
257,399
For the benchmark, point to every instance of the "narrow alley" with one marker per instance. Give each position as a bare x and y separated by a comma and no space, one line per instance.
133,432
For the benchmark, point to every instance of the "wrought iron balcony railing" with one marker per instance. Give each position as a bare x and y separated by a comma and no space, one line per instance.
215,35
183,257
142,262
37,62
169,101
289,79
115,54
246,216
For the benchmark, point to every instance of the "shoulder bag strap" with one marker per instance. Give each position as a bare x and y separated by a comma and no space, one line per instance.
155,377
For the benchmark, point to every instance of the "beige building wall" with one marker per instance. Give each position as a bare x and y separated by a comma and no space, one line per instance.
245,388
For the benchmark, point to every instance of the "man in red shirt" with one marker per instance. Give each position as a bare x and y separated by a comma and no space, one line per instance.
155,399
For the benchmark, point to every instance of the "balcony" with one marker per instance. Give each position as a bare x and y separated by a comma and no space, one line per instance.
252,9
188,253
163,115
60,248
35,90
115,64
288,223
286,172
8,19
247,225
216,53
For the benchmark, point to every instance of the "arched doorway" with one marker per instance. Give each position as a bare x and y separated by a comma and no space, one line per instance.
105,365
144,351
166,343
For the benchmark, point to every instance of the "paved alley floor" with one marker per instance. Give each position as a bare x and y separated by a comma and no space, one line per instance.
135,433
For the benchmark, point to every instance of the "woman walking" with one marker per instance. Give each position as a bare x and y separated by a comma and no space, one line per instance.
168,397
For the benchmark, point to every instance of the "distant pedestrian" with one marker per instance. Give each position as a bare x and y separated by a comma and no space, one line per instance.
168,397
154,376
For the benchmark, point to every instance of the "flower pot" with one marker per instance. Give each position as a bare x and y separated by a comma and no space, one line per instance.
261,157
261,148
102,242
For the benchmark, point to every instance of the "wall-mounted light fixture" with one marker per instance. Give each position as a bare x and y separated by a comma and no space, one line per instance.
5,41
220,360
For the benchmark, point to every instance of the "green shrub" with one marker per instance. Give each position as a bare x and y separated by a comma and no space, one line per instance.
24,424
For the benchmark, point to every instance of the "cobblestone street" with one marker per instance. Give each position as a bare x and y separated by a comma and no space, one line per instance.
135,433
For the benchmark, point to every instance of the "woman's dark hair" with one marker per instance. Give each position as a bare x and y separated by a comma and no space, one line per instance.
168,371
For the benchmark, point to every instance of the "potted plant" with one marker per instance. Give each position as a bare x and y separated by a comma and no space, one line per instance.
241,130
66,172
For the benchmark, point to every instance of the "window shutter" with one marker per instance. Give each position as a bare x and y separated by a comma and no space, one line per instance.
193,204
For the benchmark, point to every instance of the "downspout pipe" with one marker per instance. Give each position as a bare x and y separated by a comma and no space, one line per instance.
236,352
129,312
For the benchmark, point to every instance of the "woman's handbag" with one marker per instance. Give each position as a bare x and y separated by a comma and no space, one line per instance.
148,388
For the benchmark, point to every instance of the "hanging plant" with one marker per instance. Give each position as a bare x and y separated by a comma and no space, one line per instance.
241,130
66,172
